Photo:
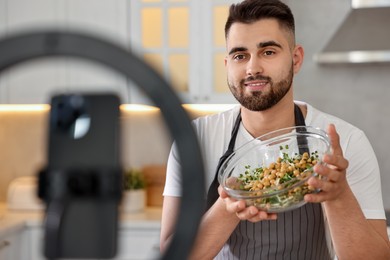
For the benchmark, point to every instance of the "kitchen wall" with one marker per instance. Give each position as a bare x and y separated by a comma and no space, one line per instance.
145,140
23,138
357,93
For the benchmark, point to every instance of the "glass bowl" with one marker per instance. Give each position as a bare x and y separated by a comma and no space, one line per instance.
271,171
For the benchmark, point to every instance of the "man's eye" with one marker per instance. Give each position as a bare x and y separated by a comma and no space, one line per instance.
269,53
239,57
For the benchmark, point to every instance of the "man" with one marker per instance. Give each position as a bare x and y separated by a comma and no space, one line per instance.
346,219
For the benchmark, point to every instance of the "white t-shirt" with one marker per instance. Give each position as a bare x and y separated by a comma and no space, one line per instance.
214,132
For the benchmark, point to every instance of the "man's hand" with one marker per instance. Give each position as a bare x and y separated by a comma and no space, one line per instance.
242,212
333,182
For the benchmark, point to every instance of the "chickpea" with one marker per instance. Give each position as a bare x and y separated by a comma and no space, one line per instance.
272,166
298,189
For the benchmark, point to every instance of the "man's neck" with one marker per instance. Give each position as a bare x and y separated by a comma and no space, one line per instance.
279,116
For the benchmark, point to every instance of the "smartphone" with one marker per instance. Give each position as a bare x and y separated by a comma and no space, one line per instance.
81,184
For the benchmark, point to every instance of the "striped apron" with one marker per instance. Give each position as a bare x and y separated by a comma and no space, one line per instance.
297,234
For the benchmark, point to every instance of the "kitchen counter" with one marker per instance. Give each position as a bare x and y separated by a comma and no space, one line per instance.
22,231
13,220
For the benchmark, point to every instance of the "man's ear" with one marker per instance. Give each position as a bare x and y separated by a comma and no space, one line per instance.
298,55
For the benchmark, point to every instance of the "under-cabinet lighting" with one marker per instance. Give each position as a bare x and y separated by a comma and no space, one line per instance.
126,107
209,107
24,108
136,107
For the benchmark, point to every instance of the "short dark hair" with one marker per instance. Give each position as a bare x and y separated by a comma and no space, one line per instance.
250,11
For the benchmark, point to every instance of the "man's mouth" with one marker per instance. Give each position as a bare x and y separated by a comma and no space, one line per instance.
256,85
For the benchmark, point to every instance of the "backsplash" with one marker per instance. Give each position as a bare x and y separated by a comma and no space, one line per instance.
23,139
145,140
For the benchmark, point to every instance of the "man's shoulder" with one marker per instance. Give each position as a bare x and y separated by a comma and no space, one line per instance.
217,119
322,119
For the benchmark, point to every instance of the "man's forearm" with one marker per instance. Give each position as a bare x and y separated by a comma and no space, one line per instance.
215,229
352,234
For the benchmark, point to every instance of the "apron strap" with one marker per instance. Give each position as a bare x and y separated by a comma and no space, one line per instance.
212,194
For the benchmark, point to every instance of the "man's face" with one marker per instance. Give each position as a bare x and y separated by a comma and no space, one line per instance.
259,63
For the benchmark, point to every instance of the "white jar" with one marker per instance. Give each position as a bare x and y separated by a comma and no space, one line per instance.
133,200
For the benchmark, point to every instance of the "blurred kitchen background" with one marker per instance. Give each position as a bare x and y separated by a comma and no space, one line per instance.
346,70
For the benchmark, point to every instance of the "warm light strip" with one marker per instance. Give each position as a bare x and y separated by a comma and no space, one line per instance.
125,107
209,107
136,107
24,108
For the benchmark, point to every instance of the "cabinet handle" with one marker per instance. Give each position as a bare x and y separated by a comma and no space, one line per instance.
4,244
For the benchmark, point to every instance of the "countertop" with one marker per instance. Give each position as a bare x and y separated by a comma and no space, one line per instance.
13,220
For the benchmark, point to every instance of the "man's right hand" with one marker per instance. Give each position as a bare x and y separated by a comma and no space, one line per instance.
243,212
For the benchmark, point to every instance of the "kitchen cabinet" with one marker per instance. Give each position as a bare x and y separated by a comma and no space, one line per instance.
138,243
133,243
22,234
184,41
36,82
13,246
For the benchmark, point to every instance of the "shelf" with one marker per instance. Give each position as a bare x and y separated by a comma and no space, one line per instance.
357,4
354,57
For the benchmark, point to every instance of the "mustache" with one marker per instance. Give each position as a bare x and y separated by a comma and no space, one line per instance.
258,77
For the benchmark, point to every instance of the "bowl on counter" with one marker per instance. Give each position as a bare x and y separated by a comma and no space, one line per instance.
271,171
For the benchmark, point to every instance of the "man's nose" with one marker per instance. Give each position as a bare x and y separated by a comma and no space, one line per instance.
254,66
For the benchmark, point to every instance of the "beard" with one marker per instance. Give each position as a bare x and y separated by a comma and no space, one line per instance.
258,100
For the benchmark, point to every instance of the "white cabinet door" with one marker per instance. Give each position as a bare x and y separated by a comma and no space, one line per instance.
106,19
133,243
5,248
34,236
138,244
30,83
37,81
185,41
13,246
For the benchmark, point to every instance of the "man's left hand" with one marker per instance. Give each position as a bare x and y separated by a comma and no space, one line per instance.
333,171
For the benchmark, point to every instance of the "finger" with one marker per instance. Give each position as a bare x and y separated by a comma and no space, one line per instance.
338,161
329,173
317,197
323,185
263,216
233,206
223,194
247,213
334,140
254,215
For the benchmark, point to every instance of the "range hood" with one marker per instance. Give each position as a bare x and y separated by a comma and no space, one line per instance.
363,37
